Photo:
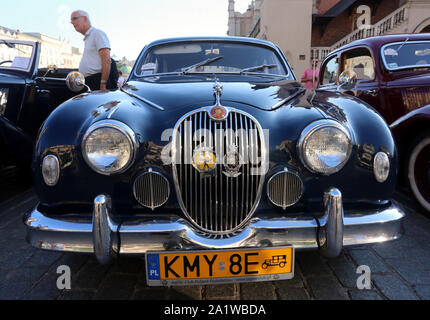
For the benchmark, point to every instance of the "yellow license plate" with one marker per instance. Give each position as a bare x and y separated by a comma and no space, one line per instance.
219,266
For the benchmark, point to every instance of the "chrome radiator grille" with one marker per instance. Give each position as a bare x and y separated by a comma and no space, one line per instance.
284,189
220,198
151,189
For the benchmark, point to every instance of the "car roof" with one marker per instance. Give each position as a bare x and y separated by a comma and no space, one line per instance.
220,38
378,41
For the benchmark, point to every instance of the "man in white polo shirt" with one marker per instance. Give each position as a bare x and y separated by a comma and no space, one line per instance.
96,62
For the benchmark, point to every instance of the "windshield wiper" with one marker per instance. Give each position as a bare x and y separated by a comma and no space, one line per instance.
256,68
10,45
201,64
401,46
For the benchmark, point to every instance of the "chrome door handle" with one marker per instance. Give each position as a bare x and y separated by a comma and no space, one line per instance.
372,92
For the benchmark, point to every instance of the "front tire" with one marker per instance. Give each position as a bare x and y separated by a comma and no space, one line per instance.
418,170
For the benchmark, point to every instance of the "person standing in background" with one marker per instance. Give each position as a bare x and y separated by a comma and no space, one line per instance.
95,64
310,75
120,79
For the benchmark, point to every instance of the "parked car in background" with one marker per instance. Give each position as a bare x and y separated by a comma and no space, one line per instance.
28,94
215,163
392,74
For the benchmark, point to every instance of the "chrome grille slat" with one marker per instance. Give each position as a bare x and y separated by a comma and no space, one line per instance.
218,202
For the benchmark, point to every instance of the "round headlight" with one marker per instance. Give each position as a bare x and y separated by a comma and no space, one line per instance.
325,146
50,170
109,147
381,166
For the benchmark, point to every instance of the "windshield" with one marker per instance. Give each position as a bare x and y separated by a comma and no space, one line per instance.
200,57
405,55
15,55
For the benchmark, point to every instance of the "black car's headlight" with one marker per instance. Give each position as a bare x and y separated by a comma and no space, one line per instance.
109,147
325,146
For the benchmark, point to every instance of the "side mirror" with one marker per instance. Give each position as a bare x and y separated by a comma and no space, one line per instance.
75,81
347,79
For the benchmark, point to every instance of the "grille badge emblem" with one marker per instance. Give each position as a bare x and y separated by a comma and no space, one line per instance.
218,112
232,162
204,160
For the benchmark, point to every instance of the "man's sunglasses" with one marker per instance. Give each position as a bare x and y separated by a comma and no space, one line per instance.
74,18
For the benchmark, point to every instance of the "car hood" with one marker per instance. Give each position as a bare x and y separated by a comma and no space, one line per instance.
264,95
6,78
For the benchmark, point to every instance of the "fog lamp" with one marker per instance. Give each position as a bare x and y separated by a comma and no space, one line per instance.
50,170
381,166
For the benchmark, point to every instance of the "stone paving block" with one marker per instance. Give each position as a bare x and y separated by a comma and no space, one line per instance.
257,291
420,256
393,288
325,288
76,295
74,261
412,272
296,282
423,291
150,293
90,276
129,265
25,274
390,249
365,295
312,264
43,258
368,258
291,293
344,270
219,291
45,289
14,259
116,286
184,293
13,245
13,290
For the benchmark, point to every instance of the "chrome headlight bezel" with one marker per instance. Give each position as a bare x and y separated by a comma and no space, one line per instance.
123,129
310,130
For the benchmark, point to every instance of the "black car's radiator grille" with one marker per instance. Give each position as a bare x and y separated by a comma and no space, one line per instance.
219,193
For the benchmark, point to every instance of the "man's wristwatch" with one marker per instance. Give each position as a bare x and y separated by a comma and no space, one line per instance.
102,81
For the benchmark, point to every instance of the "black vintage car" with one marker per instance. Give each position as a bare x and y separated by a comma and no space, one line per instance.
211,160
28,94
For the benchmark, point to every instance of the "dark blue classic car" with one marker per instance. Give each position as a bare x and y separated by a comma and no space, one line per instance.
211,161
29,91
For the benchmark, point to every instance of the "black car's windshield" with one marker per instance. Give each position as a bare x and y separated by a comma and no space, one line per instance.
188,57
15,55
406,54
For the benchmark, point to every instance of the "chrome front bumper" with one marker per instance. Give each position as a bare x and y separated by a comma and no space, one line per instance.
106,238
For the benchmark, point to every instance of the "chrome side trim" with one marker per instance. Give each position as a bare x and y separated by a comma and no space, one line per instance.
103,230
152,104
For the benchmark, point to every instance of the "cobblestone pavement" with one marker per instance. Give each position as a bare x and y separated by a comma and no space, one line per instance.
399,269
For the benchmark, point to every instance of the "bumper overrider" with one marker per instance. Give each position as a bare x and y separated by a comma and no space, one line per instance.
106,238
